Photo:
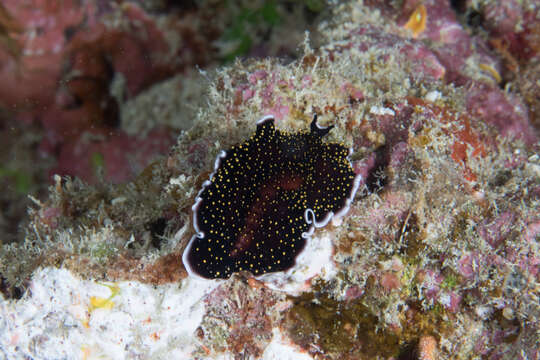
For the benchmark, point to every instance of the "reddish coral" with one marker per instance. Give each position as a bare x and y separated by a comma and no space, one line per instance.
506,112
467,140
124,50
246,324
514,30
123,156
353,293
426,62
497,231
355,94
71,53
469,265
451,301
389,281
43,44
529,88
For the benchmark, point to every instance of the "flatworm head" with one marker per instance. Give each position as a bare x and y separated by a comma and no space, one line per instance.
264,200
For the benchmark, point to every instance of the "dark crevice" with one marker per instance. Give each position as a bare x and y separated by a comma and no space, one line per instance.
474,19
184,5
467,15
459,6
157,230
409,351
10,292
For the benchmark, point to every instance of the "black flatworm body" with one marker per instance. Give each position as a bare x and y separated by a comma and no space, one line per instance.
264,200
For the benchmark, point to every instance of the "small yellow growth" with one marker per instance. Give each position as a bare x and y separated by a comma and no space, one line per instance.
97,302
85,352
417,21
491,70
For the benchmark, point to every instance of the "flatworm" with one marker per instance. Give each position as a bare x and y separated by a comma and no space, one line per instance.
264,200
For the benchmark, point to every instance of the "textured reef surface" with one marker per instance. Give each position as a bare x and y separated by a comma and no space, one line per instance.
437,257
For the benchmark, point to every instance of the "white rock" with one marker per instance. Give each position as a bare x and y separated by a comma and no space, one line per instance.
380,110
433,95
56,319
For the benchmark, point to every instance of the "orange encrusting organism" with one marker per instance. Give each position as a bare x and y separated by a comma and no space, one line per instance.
417,21
466,138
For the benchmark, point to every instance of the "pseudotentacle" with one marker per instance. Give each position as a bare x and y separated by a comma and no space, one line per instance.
264,200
